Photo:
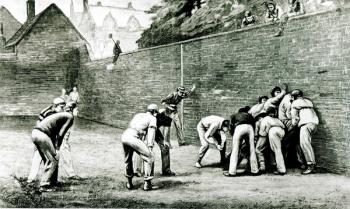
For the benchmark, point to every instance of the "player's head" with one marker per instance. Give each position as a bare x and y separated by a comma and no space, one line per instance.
70,106
181,90
262,99
75,89
260,116
63,91
275,91
270,5
153,109
271,111
296,93
247,13
59,104
225,125
118,42
244,109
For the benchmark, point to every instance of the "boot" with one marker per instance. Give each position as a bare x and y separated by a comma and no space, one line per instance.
310,169
279,173
262,168
147,186
227,174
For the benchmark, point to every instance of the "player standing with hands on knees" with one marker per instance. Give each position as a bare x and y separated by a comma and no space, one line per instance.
171,102
211,130
141,125
47,136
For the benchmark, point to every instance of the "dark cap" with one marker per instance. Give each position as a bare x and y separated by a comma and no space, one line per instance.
181,89
72,105
244,109
267,3
276,88
296,93
226,123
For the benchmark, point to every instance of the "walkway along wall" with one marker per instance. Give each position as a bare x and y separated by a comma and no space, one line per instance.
231,70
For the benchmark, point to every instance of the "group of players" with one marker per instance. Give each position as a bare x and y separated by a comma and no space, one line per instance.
283,124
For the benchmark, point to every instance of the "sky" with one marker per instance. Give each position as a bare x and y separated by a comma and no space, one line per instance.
18,7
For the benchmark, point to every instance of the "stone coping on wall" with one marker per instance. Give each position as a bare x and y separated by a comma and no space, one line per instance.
339,9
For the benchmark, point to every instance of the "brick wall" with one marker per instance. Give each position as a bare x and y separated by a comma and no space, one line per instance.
231,70
113,96
48,59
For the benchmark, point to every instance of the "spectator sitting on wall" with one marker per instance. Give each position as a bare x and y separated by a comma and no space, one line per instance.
187,6
275,14
296,7
249,19
116,51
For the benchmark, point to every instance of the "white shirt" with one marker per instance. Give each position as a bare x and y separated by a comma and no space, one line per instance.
142,121
303,112
284,111
256,109
213,124
74,96
267,123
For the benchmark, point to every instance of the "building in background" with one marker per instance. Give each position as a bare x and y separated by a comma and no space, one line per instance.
10,23
97,21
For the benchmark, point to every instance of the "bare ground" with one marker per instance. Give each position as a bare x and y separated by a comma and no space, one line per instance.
98,157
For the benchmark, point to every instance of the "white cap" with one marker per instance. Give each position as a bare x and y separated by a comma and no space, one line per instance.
58,101
152,107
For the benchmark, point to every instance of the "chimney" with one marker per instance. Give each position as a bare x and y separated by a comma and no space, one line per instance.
2,38
30,9
85,6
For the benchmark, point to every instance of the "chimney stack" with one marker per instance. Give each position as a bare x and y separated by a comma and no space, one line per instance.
2,38
1,29
30,9
85,6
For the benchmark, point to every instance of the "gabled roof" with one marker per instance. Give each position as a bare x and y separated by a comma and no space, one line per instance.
28,25
10,23
5,10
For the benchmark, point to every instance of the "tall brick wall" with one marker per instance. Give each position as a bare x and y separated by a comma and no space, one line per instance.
231,70
113,96
47,59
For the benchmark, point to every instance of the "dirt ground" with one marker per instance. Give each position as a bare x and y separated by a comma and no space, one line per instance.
98,157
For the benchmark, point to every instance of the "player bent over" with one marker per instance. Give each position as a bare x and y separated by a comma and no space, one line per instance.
242,127
57,106
141,125
47,136
211,130
273,129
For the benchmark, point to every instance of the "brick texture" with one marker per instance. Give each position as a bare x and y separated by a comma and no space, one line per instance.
231,70
48,59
